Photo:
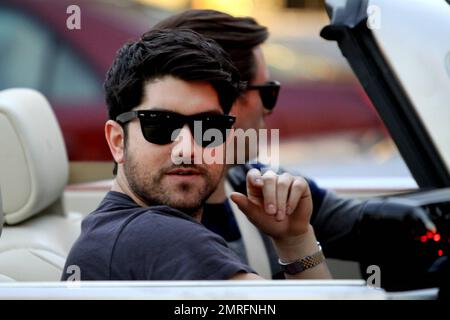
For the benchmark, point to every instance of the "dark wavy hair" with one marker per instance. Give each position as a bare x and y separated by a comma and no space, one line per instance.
181,53
238,36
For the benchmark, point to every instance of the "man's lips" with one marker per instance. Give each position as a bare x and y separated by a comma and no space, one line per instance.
184,175
183,172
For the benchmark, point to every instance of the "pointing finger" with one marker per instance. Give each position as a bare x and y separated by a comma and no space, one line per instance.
283,185
269,192
254,177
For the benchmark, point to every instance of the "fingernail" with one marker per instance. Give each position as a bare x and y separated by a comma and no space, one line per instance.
288,210
258,181
271,209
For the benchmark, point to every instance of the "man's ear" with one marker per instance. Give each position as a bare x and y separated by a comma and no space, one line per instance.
115,137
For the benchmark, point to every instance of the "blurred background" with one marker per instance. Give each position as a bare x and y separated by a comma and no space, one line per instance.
328,127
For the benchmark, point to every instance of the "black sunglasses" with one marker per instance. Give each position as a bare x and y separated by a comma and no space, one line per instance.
158,127
268,92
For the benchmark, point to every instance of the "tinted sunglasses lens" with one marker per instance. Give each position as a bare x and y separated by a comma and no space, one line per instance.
160,130
157,134
269,96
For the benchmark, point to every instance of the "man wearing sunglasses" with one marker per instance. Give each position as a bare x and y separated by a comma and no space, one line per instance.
148,226
337,222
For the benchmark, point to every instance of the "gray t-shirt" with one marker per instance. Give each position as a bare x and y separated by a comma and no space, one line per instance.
122,241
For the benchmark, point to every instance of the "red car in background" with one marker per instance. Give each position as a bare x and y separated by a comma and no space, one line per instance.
37,50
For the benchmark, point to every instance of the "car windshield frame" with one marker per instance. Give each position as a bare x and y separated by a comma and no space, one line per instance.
349,27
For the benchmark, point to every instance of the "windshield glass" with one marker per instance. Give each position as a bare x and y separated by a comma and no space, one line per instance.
419,55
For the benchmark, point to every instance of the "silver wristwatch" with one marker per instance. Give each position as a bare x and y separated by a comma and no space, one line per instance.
304,263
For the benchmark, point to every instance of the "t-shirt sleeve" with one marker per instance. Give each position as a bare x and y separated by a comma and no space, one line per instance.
162,247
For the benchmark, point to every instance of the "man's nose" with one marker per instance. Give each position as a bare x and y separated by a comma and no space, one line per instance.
185,147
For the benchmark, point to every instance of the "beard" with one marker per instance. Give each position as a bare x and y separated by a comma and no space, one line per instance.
152,188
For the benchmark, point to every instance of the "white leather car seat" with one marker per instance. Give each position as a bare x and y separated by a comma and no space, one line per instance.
37,234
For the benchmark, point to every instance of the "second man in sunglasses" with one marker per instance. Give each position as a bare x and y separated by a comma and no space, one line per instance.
148,226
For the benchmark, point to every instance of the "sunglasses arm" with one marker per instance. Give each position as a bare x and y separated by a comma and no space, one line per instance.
126,117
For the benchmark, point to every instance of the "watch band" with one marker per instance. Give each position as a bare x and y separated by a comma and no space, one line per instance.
304,263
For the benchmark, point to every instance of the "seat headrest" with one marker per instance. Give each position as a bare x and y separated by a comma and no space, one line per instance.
33,158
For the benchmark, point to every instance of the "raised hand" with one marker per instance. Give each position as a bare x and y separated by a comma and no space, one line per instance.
279,205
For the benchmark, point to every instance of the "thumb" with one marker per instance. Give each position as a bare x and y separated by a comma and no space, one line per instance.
241,200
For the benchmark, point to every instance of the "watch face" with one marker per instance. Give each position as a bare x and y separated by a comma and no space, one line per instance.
304,263
294,268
